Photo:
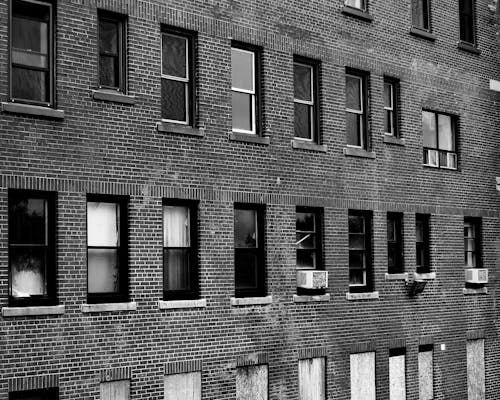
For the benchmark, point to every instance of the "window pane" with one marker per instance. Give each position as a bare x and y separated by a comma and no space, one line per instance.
30,85
356,224
245,273
102,224
245,228
103,271
306,259
357,241
242,111
429,129
108,37
27,221
391,229
108,71
388,95
356,277
176,226
353,96
303,121
475,370
242,69
176,269
353,123
388,121
174,50
28,271
356,259
305,221
30,35
30,59
302,82
420,14
173,100
356,3
446,141
306,240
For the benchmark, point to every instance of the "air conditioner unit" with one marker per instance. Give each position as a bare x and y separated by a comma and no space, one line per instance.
432,158
476,275
312,279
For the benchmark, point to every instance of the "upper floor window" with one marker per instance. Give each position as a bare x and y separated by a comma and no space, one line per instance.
391,89
177,77
467,21
180,259
421,15
422,243
360,258
394,243
32,64
107,249
472,242
356,109
439,131
306,99
359,4
32,258
112,51
308,238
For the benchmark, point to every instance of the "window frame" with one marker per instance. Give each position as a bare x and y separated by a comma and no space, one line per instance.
367,286
51,248
121,21
193,292
454,130
471,28
428,16
51,49
476,225
45,394
394,84
363,133
314,129
190,81
122,295
425,267
397,244
364,7
259,250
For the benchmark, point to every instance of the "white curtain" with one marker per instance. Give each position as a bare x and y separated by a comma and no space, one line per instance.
176,226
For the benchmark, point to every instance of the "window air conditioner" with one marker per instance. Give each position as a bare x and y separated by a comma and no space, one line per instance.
312,279
476,275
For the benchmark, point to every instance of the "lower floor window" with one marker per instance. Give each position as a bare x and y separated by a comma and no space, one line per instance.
360,263
363,376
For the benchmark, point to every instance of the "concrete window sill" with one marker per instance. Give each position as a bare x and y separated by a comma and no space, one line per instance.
109,307
170,127
249,138
306,145
251,301
173,304
422,34
397,277
28,109
356,13
113,96
362,296
470,48
470,291
32,311
356,152
311,299
394,140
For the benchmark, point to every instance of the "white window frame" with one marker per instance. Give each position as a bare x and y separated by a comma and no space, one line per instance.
360,113
252,92
308,103
391,108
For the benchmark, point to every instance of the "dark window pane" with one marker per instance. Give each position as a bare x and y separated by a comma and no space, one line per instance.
30,59
103,224
28,271
173,96
306,259
305,221
388,122
303,121
245,228
420,14
27,220
467,28
245,270
174,50
306,240
391,230
387,95
103,271
302,82
176,269
242,69
353,94
108,71
242,111
356,224
357,241
108,37
356,277
30,35
356,259
466,6
30,85
446,139
353,125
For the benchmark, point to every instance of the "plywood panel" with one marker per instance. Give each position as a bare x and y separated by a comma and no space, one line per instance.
363,376
475,369
115,390
425,375
397,378
312,378
251,383
185,386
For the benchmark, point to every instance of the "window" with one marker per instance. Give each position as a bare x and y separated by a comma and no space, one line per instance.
395,243
360,273
37,394
356,109
312,379
472,242
112,53
306,99
32,64
185,386
177,77
363,376
359,4
245,63
180,259
391,89
439,131
425,372
115,390
308,238
251,383
467,21
397,374
107,249
249,259
475,369
422,242
421,14
32,254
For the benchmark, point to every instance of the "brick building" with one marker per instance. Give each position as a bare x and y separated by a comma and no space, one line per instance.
176,176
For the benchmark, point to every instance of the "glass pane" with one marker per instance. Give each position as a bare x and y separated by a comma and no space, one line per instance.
302,82
28,272
391,258
245,228
108,37
306,259
470,244
465,6
388,122
303,121
30,85
30,35
174,50
388,95
242,69
356,4
356,277
420,254
306,240
242,111
27,221
176,226
429,129
356,259
30,59
353,125
173,100
353,95
305,221
357,241
108,71
103,224
391,229
445,130
467,28
419,230
176,269
420,14
356,224
470,259
103,271
245,270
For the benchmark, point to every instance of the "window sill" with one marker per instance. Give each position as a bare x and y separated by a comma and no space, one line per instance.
28,109
32,311
311,299
305,145
173,304
354,12
113,96
439,168
393,140
469,291
397,277
249,138
362,296
468,47
170,127
109,307
355,152
251,301
422,34
426,276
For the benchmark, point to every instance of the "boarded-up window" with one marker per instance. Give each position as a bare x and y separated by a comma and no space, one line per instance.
397,379
425,372
475,369
116,390
185,386
312,379
251,382
363,376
